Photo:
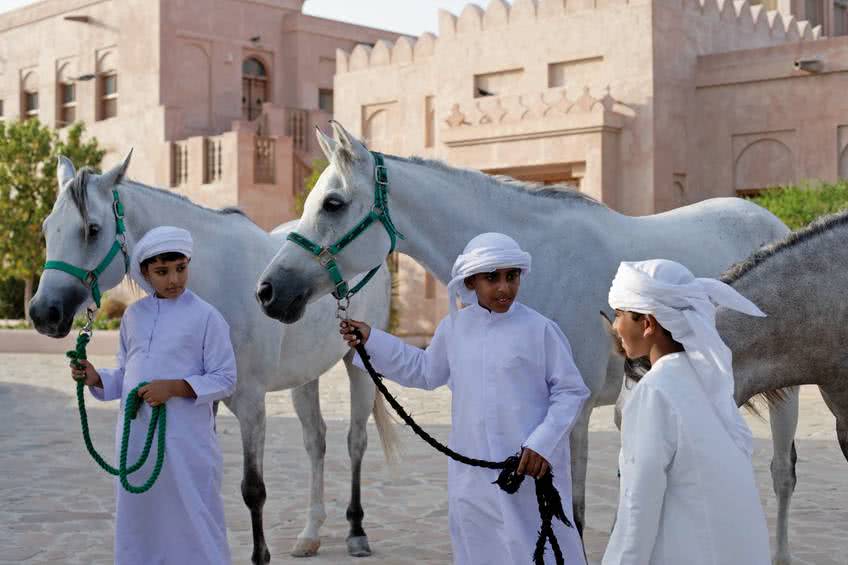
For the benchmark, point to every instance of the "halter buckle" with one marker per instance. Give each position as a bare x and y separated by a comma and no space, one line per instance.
342,305
377,210
381,175
325,257
90,279
118,210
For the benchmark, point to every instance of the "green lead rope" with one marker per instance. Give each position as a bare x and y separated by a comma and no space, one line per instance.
131,406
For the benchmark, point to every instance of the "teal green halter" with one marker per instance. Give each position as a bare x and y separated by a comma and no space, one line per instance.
379,213
132,401
90,278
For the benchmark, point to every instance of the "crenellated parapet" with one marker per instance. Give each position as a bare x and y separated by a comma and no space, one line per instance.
754,19
751,23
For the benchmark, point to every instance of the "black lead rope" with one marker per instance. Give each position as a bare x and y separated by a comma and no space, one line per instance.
550,503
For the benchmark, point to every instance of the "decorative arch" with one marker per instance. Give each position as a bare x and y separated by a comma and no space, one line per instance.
29,95
66,94
764,163
107,85
193,61
377,125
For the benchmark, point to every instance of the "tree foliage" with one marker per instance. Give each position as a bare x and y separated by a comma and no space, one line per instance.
799,205
318,166
28,156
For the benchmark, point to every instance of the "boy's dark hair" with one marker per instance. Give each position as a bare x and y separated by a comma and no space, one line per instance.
167,256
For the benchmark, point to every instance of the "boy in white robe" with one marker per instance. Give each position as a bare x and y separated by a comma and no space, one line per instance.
181,346
687,492
514,385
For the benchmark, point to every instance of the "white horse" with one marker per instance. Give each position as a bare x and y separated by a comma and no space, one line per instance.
576,243
230,252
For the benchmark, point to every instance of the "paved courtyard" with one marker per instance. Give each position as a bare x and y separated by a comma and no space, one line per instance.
56,506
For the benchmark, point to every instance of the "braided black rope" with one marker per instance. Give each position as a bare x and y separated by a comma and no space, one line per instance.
550,503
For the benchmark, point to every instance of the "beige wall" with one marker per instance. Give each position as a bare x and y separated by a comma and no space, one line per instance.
623,98
179,65
761,122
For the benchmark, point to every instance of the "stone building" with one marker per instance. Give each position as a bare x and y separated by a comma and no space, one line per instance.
644,104
217,97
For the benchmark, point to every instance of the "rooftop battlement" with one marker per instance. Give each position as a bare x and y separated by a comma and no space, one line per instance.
752,23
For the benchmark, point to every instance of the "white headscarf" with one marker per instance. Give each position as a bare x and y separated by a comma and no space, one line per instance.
159,240
485,253
686,307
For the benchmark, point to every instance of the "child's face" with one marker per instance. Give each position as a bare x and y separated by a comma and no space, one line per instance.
496,291
168,278
635,335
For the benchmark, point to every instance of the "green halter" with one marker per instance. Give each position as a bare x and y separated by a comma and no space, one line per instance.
90,278
132,401
379,212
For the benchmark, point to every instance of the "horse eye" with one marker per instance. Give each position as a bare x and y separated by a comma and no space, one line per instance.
93,230
333,204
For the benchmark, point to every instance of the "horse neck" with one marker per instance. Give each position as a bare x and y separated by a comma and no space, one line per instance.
440,209
146,208
800,289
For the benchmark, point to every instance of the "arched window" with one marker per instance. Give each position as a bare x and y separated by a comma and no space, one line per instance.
66,97
107,87
254,87
29,96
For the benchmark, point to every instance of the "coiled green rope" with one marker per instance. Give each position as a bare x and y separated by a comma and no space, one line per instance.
131,406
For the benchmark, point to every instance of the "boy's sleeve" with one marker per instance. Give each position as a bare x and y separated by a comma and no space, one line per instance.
113,379
648,445
219,363
567,394
406,364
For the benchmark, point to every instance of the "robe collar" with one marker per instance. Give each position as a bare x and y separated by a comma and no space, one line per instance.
490,316
181,300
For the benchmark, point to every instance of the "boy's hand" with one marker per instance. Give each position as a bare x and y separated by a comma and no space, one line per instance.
87,374
532,464
347,328
157,392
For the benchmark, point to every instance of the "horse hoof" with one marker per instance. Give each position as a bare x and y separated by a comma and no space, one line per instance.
266,556
306,547
357,546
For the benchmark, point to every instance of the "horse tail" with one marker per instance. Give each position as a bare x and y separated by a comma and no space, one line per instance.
387,429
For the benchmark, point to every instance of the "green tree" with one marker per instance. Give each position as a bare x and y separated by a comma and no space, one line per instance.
797,206
318,166
28,156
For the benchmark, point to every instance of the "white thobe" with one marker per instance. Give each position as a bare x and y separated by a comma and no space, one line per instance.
514,384
181,518
687,492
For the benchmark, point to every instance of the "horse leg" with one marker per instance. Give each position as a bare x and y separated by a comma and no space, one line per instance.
308,408
783,418
579,460
837,401
251,416
362,393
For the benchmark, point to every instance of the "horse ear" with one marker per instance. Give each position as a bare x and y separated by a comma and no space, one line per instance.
349,143
116,173
64,172
328,144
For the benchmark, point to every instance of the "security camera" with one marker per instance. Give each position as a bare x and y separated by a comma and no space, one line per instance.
809,65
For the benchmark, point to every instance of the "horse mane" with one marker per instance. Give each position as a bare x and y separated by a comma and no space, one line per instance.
78,192
557,191
816,229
